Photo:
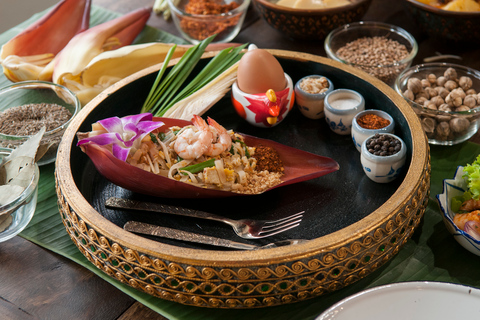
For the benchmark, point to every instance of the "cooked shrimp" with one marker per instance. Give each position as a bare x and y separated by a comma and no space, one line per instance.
223,140
192,144
460,218
470,205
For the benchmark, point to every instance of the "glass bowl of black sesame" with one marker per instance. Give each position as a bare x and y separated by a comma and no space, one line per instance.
26,107
383,157
379,49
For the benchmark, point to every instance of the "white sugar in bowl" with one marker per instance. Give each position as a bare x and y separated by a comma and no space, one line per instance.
341,106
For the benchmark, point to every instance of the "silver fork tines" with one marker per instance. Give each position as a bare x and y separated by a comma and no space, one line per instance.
270,228
245,228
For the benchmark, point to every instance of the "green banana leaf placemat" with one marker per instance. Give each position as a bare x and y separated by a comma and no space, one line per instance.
430,255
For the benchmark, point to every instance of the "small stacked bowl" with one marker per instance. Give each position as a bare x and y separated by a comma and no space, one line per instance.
386,70
309,24
38,92
449,120
197,27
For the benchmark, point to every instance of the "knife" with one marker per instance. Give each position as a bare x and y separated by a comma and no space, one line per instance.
164,232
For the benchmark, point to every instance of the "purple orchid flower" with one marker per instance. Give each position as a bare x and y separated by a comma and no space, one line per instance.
123,133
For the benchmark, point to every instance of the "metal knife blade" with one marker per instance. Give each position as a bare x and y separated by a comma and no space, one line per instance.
154,230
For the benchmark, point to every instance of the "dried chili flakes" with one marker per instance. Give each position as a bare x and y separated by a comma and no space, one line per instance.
200,28
372,121
209,7
268,159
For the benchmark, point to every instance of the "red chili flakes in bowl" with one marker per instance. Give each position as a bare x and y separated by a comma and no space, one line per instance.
200,28
209,7
372,121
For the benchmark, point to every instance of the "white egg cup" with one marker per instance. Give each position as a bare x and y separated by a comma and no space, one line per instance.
383,169
311,105
359,134
254,107
341,106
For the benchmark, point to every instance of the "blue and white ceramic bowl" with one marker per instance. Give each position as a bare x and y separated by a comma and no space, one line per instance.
359,134
383,169
452,188
311,105
341,106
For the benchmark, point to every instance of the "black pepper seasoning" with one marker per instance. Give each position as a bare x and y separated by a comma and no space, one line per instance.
383,145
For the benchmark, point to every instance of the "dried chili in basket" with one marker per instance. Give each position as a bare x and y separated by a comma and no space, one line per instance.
372,121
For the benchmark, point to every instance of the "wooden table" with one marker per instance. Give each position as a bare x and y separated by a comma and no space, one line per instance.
38,284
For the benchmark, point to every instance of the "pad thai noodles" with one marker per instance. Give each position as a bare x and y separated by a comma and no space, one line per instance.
208,156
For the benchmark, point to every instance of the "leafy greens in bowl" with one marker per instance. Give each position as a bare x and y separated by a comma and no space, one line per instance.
456,191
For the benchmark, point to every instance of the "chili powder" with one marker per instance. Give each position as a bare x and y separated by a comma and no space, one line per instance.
372,121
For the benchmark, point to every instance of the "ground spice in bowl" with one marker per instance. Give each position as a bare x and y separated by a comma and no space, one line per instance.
28,119
372,121
369,53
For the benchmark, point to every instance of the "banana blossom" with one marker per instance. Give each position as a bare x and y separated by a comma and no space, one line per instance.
29,55
109,67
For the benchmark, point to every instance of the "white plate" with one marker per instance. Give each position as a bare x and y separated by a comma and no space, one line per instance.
409,300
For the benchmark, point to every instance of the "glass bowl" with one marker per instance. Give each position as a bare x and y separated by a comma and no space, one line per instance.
385,70
22,94
442,125
197,27
16,215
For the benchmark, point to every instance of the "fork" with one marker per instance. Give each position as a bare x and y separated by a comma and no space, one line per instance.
169,233
244,228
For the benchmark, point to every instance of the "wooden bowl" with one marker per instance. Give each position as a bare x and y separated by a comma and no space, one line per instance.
354,225
313,24
446,26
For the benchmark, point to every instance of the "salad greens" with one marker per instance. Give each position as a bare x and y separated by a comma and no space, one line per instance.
471,172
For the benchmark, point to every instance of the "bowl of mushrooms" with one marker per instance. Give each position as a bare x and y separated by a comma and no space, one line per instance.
446,98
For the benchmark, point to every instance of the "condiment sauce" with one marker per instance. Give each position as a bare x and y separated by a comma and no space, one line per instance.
372,121
344,104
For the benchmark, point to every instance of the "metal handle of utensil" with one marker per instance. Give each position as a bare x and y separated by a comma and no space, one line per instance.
120,203
149,229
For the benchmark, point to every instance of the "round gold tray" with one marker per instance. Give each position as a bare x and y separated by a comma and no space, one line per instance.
217,278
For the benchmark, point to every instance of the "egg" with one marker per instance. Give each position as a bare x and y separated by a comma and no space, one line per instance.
259,71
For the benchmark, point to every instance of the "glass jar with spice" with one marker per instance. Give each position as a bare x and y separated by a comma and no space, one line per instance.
197,20
370,122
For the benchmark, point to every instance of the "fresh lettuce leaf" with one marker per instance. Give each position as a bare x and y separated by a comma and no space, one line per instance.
472,175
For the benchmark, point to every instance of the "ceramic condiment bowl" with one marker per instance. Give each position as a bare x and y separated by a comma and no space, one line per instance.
311,105
255,108
383,169
359,133
15,215
341,105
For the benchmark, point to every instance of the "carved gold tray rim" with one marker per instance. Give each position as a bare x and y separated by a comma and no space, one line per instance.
415,183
